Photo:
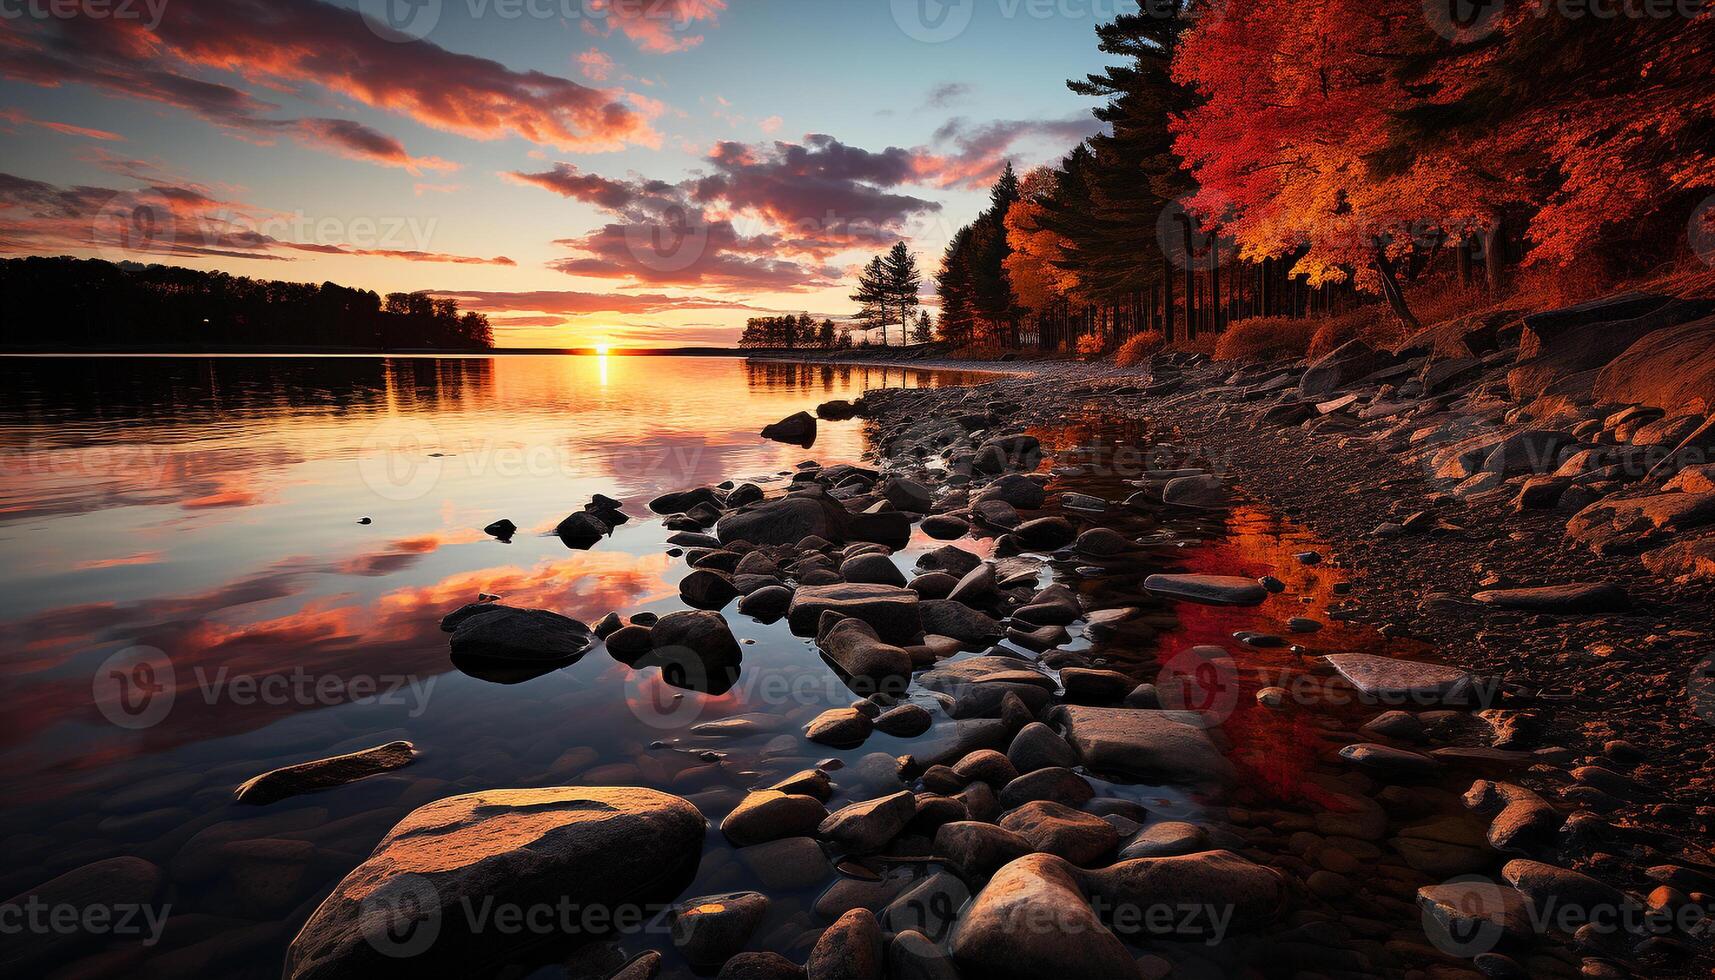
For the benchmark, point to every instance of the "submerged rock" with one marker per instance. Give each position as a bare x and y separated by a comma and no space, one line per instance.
1033,921
709,930
798,429
1147,745
594,847
493,632
1214,590
891,611
310,777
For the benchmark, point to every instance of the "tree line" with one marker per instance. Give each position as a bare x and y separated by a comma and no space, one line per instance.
888,292
67,303
1299,158
789,332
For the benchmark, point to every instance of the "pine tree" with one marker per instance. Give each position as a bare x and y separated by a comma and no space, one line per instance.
903,284
923,333
873,297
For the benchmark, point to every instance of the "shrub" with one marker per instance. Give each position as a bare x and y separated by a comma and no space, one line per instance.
1265,338
1090,345
1139,349
1374,325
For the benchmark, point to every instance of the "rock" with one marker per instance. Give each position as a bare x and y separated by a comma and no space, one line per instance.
891,611
945,527
1340,367
1016,490
958,677
872,569
760,966
1386,761
840,728
1530,451
1169,838
976,587
908,495
766,815
1055,785
1246,894
1086,685
1057,829
850,949
1389,680
1036,746
706,589
767,604
1551,888
1672,368
1047,533
1018,452
988,766
996,514
793,864
1215,590
1033,921
493,632
582,529
502,529
1101,542
905,721
1054,606
809,782
1524,823
866,663
1205,491
785,521
837,410
701,632
978,849
799,430
933,585
913,956
310,777
955,561
1083,502
944,617
1589,597
866,828
1146,745
104,889
1614,525
1472,914
709,930
683,500
599,847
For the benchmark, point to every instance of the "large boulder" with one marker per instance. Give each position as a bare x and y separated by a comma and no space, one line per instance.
1148,745
1247,894
93,892
867,664
1032,921
798,429
1340,367
492,632
407,905
891,611
1672,369
786,520
1616,525
1562,354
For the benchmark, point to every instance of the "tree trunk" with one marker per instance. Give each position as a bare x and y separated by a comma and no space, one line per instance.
1462,258
1190,278
1215,284
1390,288
1167,326
1493,260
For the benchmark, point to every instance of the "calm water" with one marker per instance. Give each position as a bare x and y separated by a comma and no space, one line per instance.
191,600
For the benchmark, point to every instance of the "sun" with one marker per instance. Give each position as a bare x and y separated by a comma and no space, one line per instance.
601,350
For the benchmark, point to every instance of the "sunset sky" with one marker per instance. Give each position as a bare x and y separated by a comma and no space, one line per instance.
635,172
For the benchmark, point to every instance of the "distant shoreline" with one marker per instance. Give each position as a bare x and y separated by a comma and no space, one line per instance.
286,351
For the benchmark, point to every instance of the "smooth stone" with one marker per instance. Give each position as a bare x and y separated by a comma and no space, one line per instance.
913,956
955,561
709,930
321,774
1102,542
945,527
1169,838
978,849
944,617
1388,761
933,585
591,846
893,612
905,721
867,827
1033,920
1058,829
1085,685
1247,894
1591,597
866,663
1219,590
988,766
1143,744
1201,490
705,588
1015,489
1036,746
1523,823
630,642
1388,679
798,429
103,888
1046,532
766,815
850,949
760,966
872,569
767,604
1054,785
492,632
839,727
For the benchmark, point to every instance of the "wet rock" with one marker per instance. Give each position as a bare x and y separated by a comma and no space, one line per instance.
1014,489
766,815
1248,895
101,889
979,849
944,617
1386,762
785,521
702,632
1549,887
988,766
995,514
709,930
867,827
839,727
582,529
1091,686
590,846
798,429
850,949
1221,590
976,587
1146,745
1473,914
1388,679
945,527
502,529
1054,606
768,604
493,632
760,966
891,611
1524,823
955,561
1036,746
1057,829
1169,838
1064,938
793,864
683,500
1589,597
908,495
311,777
1054,785
706,589
1203,490
872,569
933,585
904,721
1046,533
1101,542
1018,452
913,956
866,663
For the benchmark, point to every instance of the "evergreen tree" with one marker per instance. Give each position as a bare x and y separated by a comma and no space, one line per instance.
923,333
873,297
903,284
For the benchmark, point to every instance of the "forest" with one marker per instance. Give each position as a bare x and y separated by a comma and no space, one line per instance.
70,304
1275,169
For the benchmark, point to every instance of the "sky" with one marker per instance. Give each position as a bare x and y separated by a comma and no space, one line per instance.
635,173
